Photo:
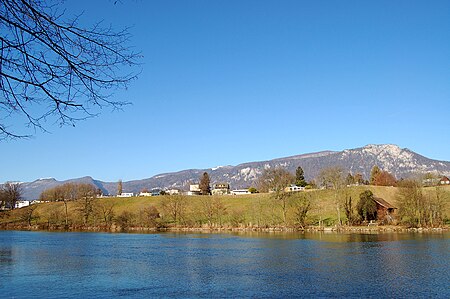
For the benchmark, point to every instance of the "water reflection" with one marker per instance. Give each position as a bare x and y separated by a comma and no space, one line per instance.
74,265
5,256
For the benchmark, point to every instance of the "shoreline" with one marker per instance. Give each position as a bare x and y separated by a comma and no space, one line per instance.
182,229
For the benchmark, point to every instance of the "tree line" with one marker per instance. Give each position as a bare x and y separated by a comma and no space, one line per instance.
77,205
416,208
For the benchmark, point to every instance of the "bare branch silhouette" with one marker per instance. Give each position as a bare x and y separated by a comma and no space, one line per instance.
53,69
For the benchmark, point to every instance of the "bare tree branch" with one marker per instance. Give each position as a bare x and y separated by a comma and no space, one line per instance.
52,68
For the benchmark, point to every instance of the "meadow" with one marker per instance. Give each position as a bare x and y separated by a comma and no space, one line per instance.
252,211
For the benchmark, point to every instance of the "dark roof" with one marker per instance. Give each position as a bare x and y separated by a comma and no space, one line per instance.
444,178
383,203
222,184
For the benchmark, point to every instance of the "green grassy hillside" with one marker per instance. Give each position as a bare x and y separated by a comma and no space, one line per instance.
260,210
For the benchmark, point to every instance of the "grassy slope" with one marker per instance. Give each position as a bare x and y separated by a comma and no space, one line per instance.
244,209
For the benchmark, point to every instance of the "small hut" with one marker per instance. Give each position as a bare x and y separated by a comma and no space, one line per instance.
444,181
385,211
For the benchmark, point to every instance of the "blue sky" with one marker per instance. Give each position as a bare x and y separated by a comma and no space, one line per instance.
227,82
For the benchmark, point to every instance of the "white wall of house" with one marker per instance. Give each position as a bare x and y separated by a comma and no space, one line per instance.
294,188
22,204
220,191
240,192
145,194
126,195
194,188
173,191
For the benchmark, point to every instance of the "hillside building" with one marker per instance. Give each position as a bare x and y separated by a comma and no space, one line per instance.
385,211
172,191
126,194
194,189
240,192
444,181
294,188
221,189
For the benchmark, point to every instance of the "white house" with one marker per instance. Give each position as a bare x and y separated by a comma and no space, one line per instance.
294,188
194,189
125,194
22,204
240,192
173,191
38,201
145,194
221,189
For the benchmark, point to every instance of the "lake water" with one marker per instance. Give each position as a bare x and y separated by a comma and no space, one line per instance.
102,265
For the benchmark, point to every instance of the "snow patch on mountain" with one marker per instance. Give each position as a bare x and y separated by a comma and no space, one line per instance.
403,163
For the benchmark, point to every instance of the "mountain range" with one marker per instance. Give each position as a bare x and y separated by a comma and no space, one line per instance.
401,162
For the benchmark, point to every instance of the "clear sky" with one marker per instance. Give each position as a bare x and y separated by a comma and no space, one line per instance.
227,82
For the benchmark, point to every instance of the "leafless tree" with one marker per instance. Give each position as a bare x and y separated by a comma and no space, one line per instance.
419,207
125,220
207,209
219,209
10,194
71,192
53,68
28,214
87,193
107,213
175,206
3,198
276,180
150,216
333,177
301,204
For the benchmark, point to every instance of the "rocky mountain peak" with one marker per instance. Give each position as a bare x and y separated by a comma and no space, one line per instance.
401,162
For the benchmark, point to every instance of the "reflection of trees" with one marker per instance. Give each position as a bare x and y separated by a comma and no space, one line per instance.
6,257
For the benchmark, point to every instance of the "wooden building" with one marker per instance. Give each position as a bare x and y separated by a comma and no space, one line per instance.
385,211
444,181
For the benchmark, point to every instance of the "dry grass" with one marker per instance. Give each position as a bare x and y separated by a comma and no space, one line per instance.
250,209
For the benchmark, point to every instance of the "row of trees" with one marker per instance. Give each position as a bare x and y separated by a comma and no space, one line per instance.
333,177
380,177
213,211
85,193
420,208
416,208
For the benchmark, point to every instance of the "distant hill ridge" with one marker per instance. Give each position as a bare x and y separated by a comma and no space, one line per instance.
401,162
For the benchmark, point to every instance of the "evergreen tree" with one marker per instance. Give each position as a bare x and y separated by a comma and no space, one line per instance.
300,177
374,173
119,187
350,180
358,178
205,189
366,207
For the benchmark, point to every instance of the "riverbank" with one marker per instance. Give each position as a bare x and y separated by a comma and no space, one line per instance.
206,229
255,212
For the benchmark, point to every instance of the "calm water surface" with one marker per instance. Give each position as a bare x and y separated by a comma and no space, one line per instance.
101,265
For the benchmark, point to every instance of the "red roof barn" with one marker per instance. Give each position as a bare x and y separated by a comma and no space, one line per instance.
444,181
385,211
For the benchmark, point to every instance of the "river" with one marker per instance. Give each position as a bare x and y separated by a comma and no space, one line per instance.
211,265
